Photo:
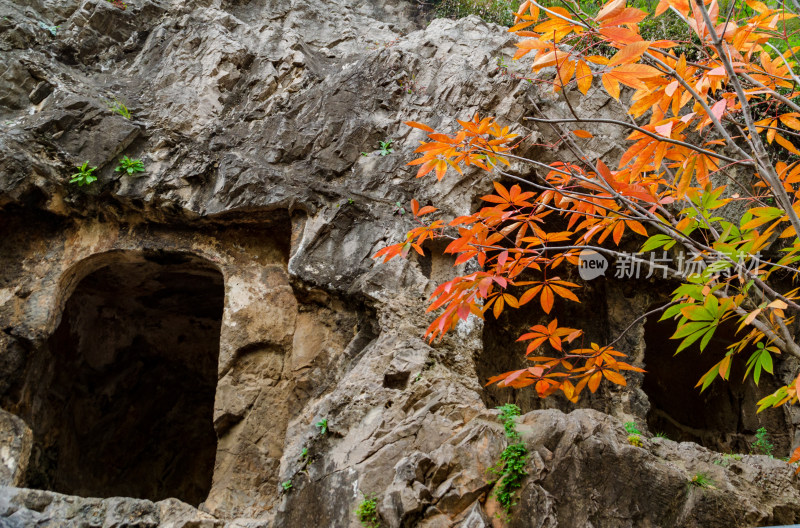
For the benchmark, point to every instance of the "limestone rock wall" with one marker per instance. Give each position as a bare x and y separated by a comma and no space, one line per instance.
259,124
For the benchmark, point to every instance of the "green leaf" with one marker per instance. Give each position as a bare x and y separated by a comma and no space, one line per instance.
699,313
766,361
707,337
772,399
759,360
727,229
689,328
656,241
746,217
709,377
695,291
674,310
688,341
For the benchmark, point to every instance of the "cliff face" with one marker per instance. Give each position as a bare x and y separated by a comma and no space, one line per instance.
175,335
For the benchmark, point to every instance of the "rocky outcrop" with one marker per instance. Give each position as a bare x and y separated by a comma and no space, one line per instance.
238,266
22,507
15,449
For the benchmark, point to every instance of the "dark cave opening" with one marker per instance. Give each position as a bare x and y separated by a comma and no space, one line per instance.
723,417
123,400
502,352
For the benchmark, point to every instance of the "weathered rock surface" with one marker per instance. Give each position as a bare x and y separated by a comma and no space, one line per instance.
24,508
15,449
259,124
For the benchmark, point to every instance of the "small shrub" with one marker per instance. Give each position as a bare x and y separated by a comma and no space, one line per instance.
634,434
630,428
762,445
511,467
701,480
727,458
661,435
287,486
130,166
508,412
118,107
635,440
84,176
322,425
367,512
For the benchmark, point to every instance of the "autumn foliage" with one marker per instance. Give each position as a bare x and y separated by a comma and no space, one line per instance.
712,120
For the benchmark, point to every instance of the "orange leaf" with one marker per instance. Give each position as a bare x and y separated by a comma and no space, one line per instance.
609,10
441,169
786,144
724,367
629,15
614,377
530,294
498,307
797,386
630,53
420,126
790,120
582,134
583,76
547,299
594,381
611,85
795,457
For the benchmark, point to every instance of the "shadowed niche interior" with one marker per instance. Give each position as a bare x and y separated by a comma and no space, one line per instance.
125,405
502,352
723,417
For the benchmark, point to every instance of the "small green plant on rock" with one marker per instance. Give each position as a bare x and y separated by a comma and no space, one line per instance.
118,107
630,428
634,434
661,434
129,165
762,445
727,458
367,512
511,467
322,425
502,64
287,486
84,176
635,440
701,480
386,147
